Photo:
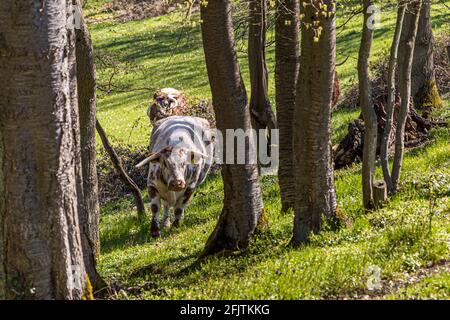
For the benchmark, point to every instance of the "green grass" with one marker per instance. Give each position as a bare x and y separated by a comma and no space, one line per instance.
400,239
148,56
433,287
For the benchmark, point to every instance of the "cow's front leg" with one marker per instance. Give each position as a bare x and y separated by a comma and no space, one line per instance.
155,205
166,217
181,205
178,215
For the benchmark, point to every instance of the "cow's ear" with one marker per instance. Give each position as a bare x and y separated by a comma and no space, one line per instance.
196,157
166,151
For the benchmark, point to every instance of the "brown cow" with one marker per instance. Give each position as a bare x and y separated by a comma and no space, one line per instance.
167,102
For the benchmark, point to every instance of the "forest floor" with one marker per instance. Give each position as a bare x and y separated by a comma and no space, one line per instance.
405,245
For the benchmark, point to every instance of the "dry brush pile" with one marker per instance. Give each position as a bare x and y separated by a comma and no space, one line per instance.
350,149
127,10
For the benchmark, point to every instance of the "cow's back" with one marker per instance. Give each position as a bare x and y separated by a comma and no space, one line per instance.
192,133
167,132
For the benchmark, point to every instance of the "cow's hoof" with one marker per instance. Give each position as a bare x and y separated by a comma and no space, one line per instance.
154,230
166,223
176,224
155,233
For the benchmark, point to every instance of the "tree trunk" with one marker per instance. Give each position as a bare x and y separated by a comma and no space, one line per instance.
379,194
316,196
83,213
448,52
2,210
242,194
423,82
366,103
87,102
385,141
406,51
260,108
132,186
417,129
41,252
286,72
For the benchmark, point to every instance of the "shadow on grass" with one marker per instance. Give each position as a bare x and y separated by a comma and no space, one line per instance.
128,230
157,268
120,236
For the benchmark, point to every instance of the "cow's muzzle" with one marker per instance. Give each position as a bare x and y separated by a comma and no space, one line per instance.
177,185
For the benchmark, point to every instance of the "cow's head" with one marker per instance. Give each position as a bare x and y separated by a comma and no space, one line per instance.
164,104
176,165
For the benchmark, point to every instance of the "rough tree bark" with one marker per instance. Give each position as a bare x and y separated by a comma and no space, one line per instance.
286,72
2,209
242,194
406,51
87,102
83,213
448,52
423,82
368,112
42,254
316,195
385,140
132,186
260,107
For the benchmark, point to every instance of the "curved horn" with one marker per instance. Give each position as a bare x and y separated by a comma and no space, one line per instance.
147,160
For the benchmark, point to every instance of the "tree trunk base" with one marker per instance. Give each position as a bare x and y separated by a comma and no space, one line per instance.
380,194
428,98
219,241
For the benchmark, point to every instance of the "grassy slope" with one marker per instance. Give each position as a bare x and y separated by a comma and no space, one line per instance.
334,264
432,287
397,239
148,49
